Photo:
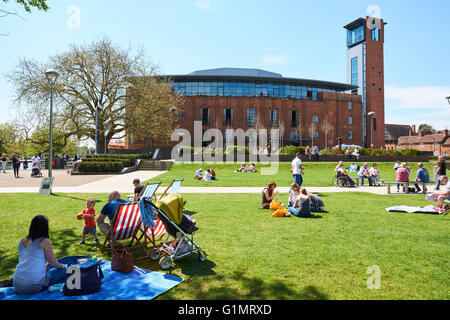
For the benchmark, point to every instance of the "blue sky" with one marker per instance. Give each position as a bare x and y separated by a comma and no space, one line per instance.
301,39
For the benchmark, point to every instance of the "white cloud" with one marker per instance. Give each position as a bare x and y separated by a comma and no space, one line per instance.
275,58
417,105
203,4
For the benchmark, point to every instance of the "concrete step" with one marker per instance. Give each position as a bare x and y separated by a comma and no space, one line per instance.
155,165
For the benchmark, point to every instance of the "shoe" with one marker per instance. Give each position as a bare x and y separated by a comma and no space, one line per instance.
81,242
97,241
287,214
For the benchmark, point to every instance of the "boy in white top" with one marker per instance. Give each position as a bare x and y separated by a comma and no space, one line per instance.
297,169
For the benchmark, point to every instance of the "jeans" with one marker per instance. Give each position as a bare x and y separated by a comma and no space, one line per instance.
4,166
296,213
438,182
298,179
362,180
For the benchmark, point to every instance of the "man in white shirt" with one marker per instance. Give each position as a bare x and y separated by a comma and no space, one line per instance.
364,173
36,159
441,196
297,169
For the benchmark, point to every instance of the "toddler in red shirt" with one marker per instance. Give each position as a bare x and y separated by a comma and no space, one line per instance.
88,215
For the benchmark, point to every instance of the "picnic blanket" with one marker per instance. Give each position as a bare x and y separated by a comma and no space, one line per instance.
428,209
139,284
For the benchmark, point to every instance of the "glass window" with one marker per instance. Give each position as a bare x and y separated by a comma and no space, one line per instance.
228,117
375,34
251,117
350,120
350,105
273,118
204,116
315,134
355,36
294,118
315,119
350,135
355,71
294,135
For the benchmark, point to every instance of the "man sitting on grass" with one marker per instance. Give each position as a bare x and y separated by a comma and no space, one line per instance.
441,196
198,174
109,210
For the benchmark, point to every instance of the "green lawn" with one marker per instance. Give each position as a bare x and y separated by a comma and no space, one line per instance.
317,174
254,256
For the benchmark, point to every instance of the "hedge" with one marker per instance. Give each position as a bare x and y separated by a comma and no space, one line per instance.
292,150
88,166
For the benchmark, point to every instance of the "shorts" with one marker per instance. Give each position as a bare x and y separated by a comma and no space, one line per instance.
90,231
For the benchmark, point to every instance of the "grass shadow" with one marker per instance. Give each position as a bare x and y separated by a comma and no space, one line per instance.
74,198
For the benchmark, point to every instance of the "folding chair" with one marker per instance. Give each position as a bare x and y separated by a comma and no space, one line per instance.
173,188
150,190
126,223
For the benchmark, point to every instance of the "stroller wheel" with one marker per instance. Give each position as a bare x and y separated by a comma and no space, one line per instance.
155,254
202,256
165,262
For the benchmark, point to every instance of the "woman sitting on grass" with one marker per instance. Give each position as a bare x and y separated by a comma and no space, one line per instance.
251,168
293,194
31,275
268,195
302,205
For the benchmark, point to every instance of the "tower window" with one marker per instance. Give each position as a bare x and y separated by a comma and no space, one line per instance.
355,71
375,34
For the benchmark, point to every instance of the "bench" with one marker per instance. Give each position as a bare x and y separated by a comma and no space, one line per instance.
423,184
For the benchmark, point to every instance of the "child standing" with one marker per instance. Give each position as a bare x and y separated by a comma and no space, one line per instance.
88,215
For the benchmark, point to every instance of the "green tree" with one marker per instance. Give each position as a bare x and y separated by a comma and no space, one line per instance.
92,77
29,4
426,129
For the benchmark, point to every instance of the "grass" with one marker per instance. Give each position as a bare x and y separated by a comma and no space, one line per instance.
254,256
317,174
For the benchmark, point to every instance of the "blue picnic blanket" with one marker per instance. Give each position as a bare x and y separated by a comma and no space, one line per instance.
139,284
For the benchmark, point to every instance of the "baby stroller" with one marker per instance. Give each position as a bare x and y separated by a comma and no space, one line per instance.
36,170
170,251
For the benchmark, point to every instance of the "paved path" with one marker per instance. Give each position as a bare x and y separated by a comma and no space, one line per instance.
93,184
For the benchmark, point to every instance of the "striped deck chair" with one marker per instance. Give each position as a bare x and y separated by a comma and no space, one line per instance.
150,190
127,221
173,188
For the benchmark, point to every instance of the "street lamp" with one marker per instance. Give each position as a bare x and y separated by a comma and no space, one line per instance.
173,109
371,114
51,75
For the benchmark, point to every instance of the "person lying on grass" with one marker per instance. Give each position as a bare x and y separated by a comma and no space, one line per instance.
242,168
268,195
32,275
293,194
251,168
444,194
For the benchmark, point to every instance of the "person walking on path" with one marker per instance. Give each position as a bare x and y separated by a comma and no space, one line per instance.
16,165
4,162
441,171
297,169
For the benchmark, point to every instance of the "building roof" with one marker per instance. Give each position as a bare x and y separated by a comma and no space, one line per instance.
395,131
242,74
237,72
430,138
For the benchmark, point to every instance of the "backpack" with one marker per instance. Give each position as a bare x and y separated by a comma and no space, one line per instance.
90,280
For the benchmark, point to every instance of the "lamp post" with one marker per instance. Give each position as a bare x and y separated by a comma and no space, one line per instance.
51,75
173,109
371,114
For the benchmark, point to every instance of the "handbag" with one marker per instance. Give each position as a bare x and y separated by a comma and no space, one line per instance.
90,280
122,260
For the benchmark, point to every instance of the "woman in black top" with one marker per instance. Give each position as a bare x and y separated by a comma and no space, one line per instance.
441,171
16,165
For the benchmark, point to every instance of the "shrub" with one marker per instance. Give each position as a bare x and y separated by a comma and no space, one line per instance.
88,166
236,150
292,150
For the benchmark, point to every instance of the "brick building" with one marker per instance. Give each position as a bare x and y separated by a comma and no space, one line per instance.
438,143
248,98
394,131
233,98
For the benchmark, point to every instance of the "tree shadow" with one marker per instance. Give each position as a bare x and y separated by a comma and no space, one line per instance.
242,286
74,198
